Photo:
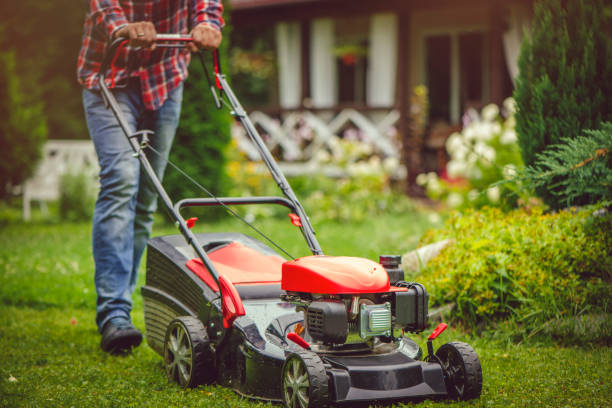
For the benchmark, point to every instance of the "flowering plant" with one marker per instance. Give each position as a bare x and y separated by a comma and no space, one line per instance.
482,154
349,182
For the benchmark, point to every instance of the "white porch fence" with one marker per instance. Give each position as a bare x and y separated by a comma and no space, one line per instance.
298,137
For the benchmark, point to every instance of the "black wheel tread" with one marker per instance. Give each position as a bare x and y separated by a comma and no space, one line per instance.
317,377
473,369
203,368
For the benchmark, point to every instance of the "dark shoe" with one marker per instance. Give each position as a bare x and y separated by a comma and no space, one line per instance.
119,338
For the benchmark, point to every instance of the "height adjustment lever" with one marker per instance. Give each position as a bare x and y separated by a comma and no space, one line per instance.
142,136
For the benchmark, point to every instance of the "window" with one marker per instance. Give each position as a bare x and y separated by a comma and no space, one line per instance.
456,71
438,70
351,53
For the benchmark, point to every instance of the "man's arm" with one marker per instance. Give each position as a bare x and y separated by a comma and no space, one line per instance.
207,23
207,11
108,14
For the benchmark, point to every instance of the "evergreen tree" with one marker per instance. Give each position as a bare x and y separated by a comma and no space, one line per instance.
565,79
579,168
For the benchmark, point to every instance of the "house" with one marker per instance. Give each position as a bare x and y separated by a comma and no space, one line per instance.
365,58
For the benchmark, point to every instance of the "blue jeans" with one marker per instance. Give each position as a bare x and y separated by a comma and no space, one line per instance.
123,214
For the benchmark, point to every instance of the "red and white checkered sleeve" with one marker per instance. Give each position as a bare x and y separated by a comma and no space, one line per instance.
109,14
207,12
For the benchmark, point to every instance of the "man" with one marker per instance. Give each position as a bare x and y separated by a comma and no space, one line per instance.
147,83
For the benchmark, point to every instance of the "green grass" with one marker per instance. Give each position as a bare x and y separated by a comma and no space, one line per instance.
50,356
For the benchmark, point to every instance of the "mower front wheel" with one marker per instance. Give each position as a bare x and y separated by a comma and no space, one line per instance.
187,354
304,381
462,370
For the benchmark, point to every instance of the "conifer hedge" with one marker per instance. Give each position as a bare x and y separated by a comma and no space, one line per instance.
565,79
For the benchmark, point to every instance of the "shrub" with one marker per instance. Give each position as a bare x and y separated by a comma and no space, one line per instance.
580,169
77,197
483,153
531,269
565,78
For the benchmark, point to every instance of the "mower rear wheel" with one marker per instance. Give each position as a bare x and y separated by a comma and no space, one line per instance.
304,381
462,370
187,354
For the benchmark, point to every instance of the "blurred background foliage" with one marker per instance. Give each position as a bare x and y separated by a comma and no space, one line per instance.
45,37
40,97
23,127
252,66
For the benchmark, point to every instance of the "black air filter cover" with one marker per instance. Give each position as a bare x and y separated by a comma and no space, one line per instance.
411,307
327,322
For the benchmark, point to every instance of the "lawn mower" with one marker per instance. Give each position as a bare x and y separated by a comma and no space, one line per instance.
308,332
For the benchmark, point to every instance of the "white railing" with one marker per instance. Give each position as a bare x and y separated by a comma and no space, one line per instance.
300,135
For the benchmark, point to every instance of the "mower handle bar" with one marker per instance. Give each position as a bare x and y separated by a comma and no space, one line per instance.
161,40
211,202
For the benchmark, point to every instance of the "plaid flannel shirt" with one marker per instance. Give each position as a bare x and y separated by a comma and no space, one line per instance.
161,70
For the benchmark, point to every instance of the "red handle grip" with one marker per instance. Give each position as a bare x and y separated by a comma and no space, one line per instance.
441,327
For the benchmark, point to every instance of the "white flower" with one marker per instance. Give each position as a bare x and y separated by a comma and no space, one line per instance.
364,149
508,137
493,194
374,161
489,155
454,200
470,116
469,132
490,112
363,169
434,218
473,195
421,179
478,131
509,171
486,152
322,156
431,176
472,158
461,153
434,187
495,128
456,168
453,143
509,106
391,164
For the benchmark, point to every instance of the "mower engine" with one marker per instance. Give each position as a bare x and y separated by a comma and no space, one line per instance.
341,296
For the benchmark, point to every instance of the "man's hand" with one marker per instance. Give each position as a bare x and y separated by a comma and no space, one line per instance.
205,36
140,34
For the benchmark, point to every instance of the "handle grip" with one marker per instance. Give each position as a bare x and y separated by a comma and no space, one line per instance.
163,41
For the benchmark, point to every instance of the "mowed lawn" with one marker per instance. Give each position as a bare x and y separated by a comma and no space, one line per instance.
49,345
